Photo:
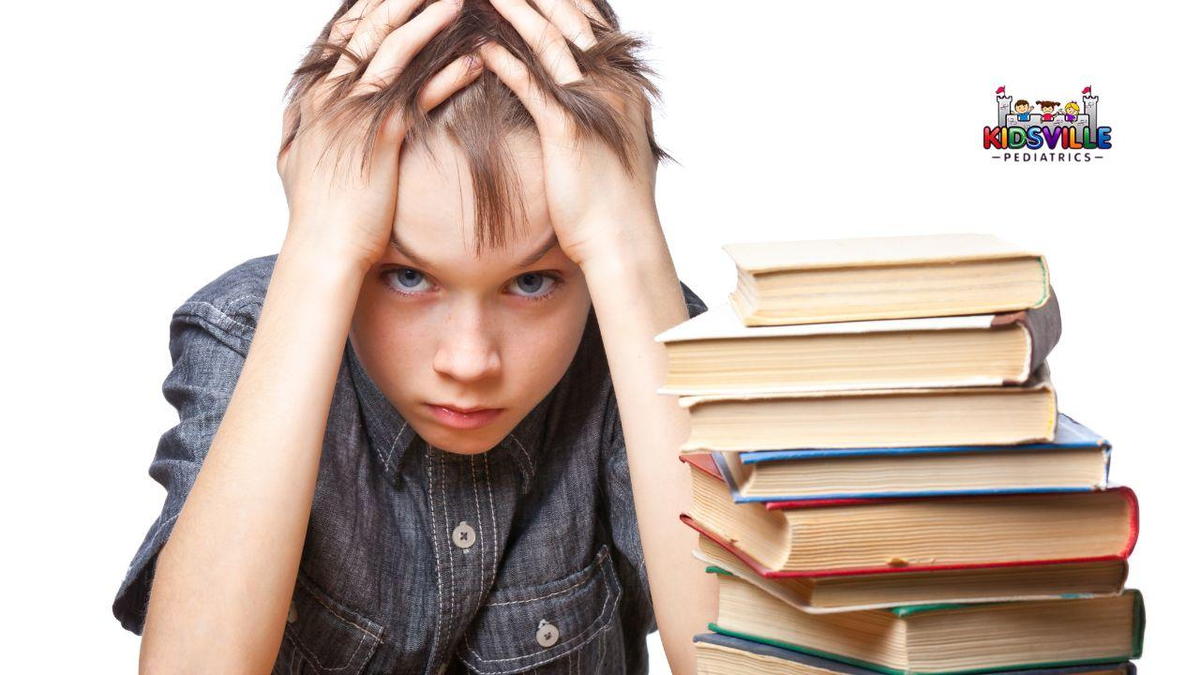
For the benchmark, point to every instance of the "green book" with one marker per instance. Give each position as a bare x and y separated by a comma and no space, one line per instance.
942,639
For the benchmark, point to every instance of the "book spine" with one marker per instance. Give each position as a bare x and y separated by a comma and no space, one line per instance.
1044,325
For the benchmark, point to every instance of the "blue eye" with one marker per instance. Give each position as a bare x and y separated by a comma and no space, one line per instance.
404,279
532,286
533,282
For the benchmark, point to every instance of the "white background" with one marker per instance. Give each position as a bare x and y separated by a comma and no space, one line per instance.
139,164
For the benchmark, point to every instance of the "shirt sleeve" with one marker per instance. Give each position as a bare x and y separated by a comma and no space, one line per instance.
208,348
637,611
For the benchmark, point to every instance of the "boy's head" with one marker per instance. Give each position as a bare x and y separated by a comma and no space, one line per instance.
1021,107
462,310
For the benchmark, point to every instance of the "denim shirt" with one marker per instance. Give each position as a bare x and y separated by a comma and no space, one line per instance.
417,560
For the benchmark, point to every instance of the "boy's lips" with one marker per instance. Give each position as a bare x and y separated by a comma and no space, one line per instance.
471,418
463,409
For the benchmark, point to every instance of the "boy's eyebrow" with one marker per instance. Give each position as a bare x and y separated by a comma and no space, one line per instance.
542,250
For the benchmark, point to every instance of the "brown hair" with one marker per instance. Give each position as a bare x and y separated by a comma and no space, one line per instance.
1052,104
1021,102
480,116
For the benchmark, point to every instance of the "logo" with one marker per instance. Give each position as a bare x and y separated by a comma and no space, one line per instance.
1047,130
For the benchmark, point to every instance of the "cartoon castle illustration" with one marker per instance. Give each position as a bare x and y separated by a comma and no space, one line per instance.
1005,117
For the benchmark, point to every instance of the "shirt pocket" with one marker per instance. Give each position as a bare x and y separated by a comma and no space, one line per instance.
322,636
563,624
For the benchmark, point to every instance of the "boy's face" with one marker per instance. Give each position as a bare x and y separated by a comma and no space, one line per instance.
1022,108
471,332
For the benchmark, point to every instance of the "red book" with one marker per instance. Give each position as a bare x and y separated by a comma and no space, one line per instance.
867,536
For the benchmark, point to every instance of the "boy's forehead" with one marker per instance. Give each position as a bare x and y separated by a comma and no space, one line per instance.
435,207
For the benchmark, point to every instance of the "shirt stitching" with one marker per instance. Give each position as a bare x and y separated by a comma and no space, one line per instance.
528,472
479,523
183,312
438,557
387,460
583,637
487,474
450,597
596,566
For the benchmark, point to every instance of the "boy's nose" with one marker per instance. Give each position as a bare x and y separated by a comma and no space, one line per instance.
468,350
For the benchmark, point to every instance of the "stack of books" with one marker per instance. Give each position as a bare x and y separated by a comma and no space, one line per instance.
882,481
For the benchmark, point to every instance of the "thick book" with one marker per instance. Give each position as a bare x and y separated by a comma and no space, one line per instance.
943,639
914,533
721,654
714,353
876,418
1075,460
822,281
842,592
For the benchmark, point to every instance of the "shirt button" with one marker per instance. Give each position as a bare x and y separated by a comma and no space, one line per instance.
292,615
464,535
547,633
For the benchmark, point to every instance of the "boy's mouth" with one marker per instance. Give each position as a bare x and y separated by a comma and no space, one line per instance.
460,418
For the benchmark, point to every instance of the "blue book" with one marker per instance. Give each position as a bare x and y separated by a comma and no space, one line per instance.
739,655
1075,460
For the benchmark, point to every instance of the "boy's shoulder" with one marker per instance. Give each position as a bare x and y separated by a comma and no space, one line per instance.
232,302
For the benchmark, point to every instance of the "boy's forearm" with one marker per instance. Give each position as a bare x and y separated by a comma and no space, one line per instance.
636,295
225,577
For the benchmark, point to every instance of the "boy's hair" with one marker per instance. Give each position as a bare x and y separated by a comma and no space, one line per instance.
480,116
1021,102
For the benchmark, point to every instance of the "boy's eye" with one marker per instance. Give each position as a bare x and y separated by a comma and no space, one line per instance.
537,284
530,285
404,279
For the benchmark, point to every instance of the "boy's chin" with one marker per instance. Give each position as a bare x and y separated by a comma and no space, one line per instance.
458,442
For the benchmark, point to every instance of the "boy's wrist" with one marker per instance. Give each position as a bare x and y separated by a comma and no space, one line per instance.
322,260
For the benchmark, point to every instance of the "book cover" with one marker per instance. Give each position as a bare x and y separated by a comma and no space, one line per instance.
721,325
704,462
904,613
822,665
1069,434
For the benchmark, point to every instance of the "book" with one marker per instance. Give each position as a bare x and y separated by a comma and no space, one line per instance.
944,638
841,592
915,533
714,353
721,654
873,418
822,281
1076,459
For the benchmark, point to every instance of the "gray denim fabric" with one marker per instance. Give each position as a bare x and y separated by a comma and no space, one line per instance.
546,575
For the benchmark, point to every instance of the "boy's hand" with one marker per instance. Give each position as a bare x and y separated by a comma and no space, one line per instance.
341,200
594,202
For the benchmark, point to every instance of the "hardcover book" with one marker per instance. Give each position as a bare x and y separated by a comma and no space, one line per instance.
714,353
841,592
792,282
1075,460
876,535
721,654
945,638
874,418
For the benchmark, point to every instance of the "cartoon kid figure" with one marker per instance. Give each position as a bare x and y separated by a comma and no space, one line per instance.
1071,110
1047,109
1022,109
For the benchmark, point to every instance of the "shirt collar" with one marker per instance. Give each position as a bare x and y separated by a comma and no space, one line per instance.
390,435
